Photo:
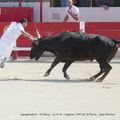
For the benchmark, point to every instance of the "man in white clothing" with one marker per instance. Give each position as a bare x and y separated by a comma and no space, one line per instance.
9,37
72,13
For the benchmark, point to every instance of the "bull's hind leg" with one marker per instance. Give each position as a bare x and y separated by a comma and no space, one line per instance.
67,64
55,62
97,75
106,68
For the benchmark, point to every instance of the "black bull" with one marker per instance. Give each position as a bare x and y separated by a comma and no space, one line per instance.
76,46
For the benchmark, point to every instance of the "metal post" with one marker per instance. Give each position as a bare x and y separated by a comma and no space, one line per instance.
20,3
40,10
91,3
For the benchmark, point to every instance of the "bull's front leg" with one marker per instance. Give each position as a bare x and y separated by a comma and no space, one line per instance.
55,62
67,64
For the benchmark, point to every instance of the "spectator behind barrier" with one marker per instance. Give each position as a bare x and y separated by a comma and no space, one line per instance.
72,13
55,3
63,3
84,3
105,3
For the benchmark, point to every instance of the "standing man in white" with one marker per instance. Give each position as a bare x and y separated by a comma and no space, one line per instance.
72,13
9,37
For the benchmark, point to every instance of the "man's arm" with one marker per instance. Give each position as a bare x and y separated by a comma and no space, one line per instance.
26,34
75,17
66,18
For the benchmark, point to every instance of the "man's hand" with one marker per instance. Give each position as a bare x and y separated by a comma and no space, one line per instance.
29,36
34,39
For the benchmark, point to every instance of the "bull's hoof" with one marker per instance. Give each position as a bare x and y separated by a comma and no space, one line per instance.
46,74
67,77
99,80
91,78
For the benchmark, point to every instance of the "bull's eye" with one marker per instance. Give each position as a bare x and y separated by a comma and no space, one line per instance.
35,43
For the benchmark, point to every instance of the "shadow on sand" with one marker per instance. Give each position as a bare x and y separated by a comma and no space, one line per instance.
49,80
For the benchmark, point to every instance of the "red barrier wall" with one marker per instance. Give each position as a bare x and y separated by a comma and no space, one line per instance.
8,14
45,29
111,29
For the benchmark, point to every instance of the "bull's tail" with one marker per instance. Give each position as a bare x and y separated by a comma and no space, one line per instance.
116,41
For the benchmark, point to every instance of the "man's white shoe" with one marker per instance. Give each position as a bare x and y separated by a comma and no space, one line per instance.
3,62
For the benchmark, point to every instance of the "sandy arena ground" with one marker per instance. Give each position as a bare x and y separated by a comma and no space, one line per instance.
26,95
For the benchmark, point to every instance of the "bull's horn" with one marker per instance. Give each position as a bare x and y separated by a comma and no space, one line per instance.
38,34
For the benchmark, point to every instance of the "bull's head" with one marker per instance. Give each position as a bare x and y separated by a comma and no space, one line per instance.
37,49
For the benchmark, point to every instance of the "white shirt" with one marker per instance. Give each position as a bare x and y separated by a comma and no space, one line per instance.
75,11
13,32
9,38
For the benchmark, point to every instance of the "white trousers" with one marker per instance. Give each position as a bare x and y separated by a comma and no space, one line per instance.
5,51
